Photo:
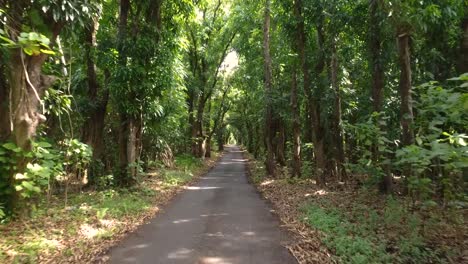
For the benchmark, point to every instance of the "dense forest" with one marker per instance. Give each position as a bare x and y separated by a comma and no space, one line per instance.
367,97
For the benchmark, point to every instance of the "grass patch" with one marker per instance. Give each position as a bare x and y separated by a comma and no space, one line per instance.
188,162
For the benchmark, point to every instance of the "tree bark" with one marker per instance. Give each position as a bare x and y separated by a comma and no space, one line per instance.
127,130
313,103
377,83
27,86
5,127
463,63
296,127
377,71
94,126
281,142
337,121
270,161
406,106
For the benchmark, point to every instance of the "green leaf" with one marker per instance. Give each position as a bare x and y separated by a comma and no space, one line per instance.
9,146
50,52
9,41
28,185
20,176
44,144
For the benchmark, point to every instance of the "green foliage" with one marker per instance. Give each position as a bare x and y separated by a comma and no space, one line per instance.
364,235
46,165
439,149
368,135
187,162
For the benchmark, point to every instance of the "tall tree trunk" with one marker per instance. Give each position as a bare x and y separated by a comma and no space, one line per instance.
250,137
337,122
406,106
200,138
377,83
127,124
296,127
94,126
220,138
192,124
270,161
313,103
27,86
376,56
5,127
318,133
281,142
463,63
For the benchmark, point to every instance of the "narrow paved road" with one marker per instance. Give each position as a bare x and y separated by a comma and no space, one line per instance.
220,220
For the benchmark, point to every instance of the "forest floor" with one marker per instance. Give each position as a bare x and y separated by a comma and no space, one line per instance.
94,221
335,225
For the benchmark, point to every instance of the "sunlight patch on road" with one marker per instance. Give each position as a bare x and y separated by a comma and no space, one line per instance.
180,221
180,253
217,234
201,188
219,214
139,246
239,160
213,260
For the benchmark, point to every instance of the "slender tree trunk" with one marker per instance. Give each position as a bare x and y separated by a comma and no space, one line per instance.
406,106
376,57
220,138
93,128
296,127
270,161
208,134
5,127
337,122
377,84
313,103
200,138
192,125
250,137
281,143
126,128
463,63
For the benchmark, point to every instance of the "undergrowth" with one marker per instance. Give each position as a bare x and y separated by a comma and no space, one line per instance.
365,235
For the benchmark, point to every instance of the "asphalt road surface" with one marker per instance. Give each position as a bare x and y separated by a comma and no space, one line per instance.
219,220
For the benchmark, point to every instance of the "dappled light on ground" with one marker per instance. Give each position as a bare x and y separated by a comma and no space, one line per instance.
201,188
267,182
213,260
180,253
